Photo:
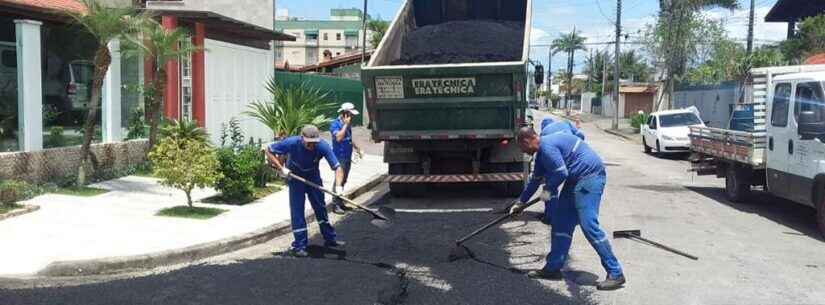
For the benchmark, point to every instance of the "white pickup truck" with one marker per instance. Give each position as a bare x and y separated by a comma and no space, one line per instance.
785,152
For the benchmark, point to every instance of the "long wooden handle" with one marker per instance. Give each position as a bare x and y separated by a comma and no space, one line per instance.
320,188
492,223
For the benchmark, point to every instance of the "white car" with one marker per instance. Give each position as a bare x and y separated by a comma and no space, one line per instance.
667,131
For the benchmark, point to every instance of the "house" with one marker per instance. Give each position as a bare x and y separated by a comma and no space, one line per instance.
345,66
633,97
46,69
319,40
794,11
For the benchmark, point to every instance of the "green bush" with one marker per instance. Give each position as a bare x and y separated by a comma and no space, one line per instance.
12,191
239,164
55,137
238,168
184,160
639,119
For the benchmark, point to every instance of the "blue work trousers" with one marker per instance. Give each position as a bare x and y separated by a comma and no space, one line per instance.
298,192
579,205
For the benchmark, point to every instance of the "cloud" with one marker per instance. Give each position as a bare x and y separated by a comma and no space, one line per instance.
736,24
538,35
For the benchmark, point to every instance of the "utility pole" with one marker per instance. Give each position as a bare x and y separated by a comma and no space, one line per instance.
618,73
604,74
364,39
549,77
750,27
590,72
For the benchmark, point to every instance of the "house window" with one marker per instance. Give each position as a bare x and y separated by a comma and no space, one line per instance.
67,70
8,97
326,36
338,36
186,84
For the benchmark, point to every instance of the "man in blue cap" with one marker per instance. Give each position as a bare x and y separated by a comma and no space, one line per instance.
548,127
303,153
343,146
564,158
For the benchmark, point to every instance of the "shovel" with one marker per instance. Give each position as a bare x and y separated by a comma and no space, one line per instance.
460,251
637,235
381,217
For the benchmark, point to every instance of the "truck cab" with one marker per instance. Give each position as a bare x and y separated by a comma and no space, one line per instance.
796,156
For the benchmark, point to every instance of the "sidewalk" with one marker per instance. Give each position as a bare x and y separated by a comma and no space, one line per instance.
605,124
122,222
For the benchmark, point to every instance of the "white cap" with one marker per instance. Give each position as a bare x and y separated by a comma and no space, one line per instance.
348,107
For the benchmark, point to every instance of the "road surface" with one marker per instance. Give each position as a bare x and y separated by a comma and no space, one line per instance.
763,252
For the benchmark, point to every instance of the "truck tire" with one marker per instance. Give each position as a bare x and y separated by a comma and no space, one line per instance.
820,208
737,188
647,148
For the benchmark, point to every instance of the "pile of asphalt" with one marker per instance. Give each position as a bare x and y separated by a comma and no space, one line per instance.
469,41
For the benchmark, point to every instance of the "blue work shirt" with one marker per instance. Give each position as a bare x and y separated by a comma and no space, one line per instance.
302,161
562,157
548,127
343,148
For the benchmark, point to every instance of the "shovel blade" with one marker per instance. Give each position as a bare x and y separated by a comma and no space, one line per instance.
380,223
387,212
457,253
627,233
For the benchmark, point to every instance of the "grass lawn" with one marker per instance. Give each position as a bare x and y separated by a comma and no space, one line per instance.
260,192
145,172
5,208
83,191
190,212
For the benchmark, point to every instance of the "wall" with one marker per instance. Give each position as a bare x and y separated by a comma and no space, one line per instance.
235,77
257,12
635,102
341,90
49,165
714,102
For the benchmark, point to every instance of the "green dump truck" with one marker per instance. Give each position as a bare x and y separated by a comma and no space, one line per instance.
445,90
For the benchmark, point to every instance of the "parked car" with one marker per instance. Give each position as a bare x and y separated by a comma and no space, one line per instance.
533,104
668,131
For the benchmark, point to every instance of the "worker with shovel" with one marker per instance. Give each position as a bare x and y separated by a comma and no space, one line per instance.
549,127
564,158
343,146
303,155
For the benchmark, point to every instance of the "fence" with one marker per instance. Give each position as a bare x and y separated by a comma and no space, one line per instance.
340,90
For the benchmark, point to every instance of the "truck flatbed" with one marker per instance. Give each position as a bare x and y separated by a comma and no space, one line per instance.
737,146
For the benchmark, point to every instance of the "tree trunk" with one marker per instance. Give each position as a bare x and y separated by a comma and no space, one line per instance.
159,85
189,197
570,56
102,60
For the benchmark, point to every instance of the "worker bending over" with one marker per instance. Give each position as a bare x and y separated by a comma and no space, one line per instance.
548,127
303,154
564,158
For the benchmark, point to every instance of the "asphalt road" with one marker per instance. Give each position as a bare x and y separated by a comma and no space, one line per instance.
763,252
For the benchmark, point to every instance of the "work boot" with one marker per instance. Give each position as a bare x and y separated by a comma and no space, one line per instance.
338,209
611,283
541,274
299,253
338,244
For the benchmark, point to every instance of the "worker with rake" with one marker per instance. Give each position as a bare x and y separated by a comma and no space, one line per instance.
564,158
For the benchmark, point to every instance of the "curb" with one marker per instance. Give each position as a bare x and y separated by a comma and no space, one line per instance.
618,134
121,264
21,211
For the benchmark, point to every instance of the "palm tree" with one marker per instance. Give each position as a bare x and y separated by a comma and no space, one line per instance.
569,43
378,28
634,66
163,45
291,108
105,24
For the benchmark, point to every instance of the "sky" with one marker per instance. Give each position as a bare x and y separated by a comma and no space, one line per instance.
594,19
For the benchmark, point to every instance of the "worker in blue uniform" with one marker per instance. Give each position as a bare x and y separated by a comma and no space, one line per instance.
548,127
343,146
564,158
303,153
